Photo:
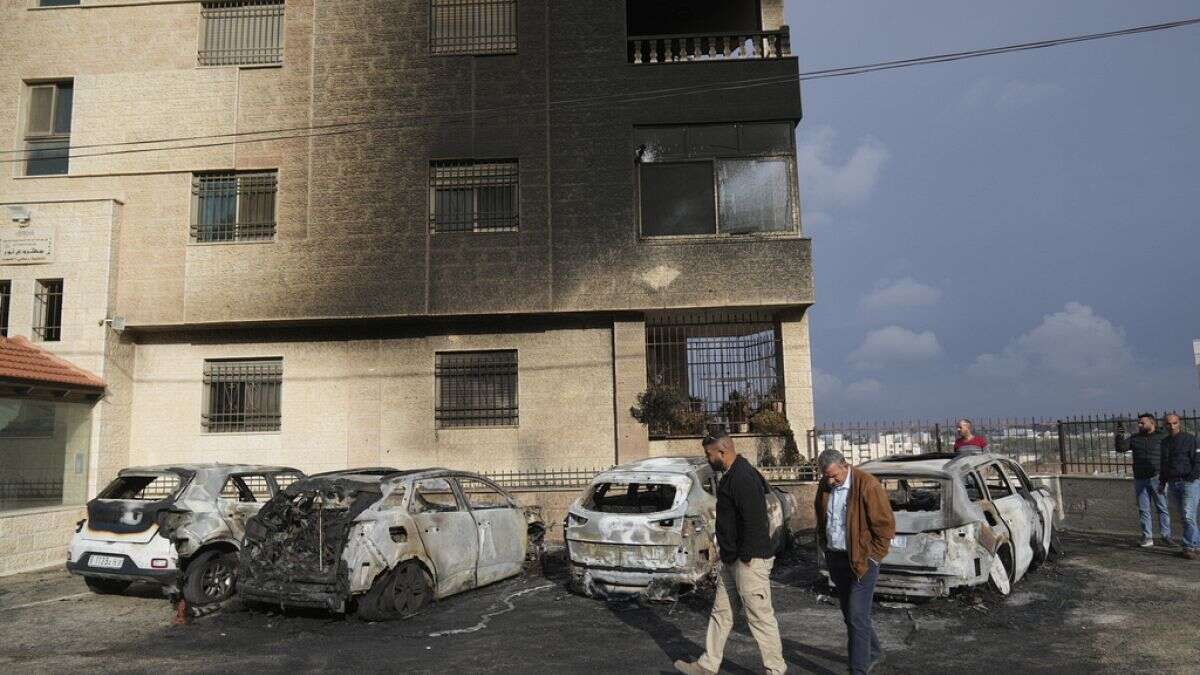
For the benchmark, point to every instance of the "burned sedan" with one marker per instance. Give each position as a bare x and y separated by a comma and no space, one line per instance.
649,528
961,520
383,542
180,526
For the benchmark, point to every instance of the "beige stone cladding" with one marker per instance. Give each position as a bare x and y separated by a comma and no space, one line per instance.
358,402
36,539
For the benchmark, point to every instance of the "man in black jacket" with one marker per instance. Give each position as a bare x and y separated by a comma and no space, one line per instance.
1181,471
744,539
1145,445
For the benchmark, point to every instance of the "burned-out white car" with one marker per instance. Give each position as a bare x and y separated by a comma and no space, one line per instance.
384,542
180,526
961,520
649,528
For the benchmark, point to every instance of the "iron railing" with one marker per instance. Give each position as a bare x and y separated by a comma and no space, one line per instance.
473,196
233,206
29,488
770,44
476,389
544,478
5,292
47,310
242,395
472,27
1087,444
241,32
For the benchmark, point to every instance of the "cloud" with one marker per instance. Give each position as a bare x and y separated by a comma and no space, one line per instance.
1011,95
827,184
1076,344
829,387
894,345
901,293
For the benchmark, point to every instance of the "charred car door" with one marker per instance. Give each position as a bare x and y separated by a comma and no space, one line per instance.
1040,506
1015,513
241,497
501,526
448,533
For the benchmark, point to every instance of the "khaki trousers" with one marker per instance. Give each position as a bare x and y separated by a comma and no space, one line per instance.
752,583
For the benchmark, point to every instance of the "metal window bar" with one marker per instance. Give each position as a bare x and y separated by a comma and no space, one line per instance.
473,196
724,365
241,32
159,488
472,27
5,293
47,310
544,478
242,395
476,389
231,206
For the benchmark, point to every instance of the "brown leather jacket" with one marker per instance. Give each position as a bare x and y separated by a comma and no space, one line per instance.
870,524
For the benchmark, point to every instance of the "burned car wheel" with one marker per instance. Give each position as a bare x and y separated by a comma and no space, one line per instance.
106,586
210,578
397,594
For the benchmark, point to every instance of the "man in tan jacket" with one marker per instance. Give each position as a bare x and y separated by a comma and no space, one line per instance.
855,527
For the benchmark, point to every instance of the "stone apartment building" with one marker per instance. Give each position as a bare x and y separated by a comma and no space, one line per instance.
410,233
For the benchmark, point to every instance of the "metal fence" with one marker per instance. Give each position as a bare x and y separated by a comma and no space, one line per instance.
1088,442
241,32
545,478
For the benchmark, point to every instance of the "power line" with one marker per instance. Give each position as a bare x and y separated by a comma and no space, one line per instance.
336,129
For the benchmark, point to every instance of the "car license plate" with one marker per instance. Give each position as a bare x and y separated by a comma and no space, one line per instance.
110,562
899,542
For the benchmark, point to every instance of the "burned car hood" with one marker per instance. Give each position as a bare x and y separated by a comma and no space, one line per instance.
299,535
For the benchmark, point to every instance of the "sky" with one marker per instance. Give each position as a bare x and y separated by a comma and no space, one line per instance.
1012,235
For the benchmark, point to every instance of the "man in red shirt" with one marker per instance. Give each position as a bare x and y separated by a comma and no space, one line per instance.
967,437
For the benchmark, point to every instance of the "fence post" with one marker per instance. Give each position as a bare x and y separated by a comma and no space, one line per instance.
1062,448
937,433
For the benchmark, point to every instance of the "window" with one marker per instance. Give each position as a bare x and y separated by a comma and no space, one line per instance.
481,495
285,480
241,32
231,206
476,389
247,488
913,494
473,196
997,484
1016,477
716,179
242,395
630,498
57,3
48,128
971,484
472,27
150,488
433,495
722,366
5,292
47,310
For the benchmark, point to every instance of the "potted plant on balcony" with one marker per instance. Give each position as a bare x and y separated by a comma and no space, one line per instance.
737,411
661,409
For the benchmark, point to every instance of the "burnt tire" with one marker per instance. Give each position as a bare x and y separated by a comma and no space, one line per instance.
106,586
210,578
1000,575
396,594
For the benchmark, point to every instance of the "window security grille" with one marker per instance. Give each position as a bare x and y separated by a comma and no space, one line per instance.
476,389
725,365
48,128
471,196
47,310
473,27
242,395
160,487
234,206
5,292
241,32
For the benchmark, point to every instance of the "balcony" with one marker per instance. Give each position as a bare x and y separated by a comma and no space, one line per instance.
772,44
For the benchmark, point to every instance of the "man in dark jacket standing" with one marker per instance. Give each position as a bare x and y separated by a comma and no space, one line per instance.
744,539
1181,472
1146,445
855,526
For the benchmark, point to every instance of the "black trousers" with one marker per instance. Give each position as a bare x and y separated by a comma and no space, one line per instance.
855,597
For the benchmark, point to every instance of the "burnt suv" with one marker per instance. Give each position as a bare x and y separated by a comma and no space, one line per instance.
179,526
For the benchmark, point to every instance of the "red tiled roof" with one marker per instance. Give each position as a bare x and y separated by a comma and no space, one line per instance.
21,360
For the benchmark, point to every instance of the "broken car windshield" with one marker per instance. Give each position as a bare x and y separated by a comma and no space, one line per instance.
147,488
630,497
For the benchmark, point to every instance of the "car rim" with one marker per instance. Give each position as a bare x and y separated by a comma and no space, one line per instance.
999,575
408,591
216,580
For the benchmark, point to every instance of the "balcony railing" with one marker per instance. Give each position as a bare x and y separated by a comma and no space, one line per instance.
771,44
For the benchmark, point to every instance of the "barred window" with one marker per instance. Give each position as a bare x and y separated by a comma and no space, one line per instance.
5,292
47,310
246,488
283,480
48,128
242,395
234,206
473,27
473,196
241,32
476,389
724,366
